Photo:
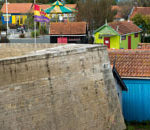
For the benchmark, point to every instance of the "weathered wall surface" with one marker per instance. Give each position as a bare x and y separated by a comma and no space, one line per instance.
18,49
63,88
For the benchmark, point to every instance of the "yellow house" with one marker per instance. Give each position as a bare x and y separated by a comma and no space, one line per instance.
118,35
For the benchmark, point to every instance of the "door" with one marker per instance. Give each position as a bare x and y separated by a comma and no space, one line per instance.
107,41
129,42
62,40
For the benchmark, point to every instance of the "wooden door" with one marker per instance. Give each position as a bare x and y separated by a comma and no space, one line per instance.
107,41
129,42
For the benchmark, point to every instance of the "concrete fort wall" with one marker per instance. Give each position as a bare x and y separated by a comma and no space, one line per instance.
63,88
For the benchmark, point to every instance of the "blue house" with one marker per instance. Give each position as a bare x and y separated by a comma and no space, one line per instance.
134,68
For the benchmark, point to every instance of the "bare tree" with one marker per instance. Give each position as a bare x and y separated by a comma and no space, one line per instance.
126,7
95,12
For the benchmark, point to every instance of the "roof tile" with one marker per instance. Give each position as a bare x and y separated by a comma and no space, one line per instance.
26,7
17,7
140,10
131,63
70,28
124,27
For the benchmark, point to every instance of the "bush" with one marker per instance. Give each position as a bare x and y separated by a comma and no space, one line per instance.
12,26
147,39
91,40
22,35
4,40
3,27
43,30
37,34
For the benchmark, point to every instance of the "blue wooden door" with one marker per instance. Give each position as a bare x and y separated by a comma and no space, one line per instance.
136,101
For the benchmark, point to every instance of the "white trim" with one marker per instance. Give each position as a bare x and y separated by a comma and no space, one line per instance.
135,77
103,26
131,33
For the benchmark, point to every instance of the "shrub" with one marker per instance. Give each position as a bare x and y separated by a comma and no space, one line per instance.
37,34
4,40
12,26
91,40
43,30
3,27
22,35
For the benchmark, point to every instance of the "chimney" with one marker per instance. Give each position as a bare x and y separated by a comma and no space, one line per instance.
117,28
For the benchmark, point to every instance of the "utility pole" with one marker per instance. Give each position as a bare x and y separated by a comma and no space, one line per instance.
7,16
34,32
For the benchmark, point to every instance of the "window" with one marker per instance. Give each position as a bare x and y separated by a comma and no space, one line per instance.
135,34
100,37
123,37
5,18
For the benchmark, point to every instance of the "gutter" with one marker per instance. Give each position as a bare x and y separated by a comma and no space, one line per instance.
135,78
130,33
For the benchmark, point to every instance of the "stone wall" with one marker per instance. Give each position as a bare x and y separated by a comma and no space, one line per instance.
18,49
63,88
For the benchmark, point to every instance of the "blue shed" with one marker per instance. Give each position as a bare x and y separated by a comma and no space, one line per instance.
134,68
136,101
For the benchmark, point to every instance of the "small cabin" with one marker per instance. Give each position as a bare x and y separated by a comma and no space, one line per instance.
68,32
118,35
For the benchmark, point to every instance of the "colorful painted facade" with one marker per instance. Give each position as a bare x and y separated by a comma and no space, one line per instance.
14,19
18,12
118,35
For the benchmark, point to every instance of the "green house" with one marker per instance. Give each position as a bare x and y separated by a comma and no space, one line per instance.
118,35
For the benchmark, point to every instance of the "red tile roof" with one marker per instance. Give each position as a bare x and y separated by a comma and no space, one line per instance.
25,7
17,7
70,28
118,9
140,10
124,27
131,63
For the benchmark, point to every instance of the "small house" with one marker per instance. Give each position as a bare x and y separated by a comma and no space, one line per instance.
118,35
17,13
68,32
134,68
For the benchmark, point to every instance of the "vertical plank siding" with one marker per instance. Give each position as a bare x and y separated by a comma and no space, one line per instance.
136,101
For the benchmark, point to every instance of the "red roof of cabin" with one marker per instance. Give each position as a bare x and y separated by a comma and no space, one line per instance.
118,9
124,27
69,28
140,10
17,7
131,63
